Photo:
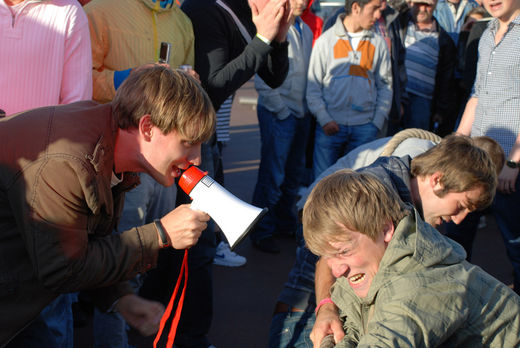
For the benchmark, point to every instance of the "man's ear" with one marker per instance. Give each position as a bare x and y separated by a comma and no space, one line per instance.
355,8
435,181
388,231
146,127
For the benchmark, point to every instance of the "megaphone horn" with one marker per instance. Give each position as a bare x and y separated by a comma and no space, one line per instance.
234,216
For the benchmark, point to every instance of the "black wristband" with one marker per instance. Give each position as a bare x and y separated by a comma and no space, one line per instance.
162,233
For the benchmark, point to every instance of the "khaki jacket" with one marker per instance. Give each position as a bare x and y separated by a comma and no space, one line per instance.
57,212
426,295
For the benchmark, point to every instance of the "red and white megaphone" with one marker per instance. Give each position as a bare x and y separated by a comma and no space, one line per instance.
234,216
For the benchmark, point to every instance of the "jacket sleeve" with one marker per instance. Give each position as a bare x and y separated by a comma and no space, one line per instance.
59,230
315,78
270,98
383,82
76,82
444,98
222,75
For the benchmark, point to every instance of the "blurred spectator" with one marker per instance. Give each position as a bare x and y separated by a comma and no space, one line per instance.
45,54
284,129
45,60
234,39
430,59
493,110
471,38
451,15
389,27
314,22
349,83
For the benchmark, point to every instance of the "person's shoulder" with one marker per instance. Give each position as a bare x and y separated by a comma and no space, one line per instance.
324,38
180,16
102,7
64,3
63,6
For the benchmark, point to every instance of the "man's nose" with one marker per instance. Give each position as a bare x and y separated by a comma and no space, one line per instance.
194,156
377,15
457,219
338,268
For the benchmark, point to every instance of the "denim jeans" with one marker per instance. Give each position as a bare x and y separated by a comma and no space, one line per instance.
282,162
109,330
417,112
291,329
505,208
53,327
329,148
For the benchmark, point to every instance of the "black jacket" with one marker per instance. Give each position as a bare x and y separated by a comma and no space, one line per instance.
223,59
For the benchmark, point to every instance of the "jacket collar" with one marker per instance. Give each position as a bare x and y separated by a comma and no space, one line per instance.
156,5
341,31
415,245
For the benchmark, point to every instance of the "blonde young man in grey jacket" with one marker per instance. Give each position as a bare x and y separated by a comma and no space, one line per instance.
400,283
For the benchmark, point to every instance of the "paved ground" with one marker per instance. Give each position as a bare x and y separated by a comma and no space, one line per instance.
244,297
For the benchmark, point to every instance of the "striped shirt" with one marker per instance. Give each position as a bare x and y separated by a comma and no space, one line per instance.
422,56
223,118
497,86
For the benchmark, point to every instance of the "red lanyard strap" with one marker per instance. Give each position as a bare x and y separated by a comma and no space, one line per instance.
178,310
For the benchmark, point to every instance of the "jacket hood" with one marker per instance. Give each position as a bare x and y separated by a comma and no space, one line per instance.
308,8
415,246
155,6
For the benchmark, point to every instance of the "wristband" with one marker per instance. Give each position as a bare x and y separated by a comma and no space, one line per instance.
321,303
263,38
162,233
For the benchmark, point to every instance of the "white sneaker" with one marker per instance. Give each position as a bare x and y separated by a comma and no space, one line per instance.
225,257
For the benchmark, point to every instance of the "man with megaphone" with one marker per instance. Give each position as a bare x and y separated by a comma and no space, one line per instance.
63,174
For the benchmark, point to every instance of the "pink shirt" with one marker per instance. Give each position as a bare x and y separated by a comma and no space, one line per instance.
45,55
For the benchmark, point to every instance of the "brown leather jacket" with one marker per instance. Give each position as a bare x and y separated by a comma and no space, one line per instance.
57,212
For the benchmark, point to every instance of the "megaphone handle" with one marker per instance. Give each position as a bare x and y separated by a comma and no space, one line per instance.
195,206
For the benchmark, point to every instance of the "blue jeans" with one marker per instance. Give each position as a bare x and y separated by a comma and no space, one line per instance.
291,329
329,148
417,112
281,163
109,330
505,209
53,327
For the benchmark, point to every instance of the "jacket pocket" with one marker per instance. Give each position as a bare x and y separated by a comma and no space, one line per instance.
347,91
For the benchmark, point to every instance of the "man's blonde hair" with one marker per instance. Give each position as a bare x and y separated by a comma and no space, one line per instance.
464,166
357,201
174,100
